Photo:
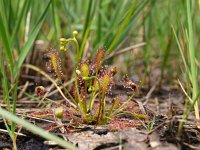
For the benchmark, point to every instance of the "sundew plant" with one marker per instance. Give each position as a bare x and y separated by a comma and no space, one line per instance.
93,81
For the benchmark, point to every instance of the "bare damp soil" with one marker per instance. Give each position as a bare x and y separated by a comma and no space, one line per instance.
166,105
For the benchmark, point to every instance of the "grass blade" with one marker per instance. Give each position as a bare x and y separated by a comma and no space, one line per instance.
122,27
55,20
4,80
181,52
30,41
86,30
192,60
36,130
19,20
6,43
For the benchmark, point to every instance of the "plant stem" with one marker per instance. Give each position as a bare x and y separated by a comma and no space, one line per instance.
94,91
103,101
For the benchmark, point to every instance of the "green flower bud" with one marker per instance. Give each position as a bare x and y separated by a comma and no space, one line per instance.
59,112
62,48
62,40
75,33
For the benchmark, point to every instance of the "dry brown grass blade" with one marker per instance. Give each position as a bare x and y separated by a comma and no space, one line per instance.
115,53
50,79
23,90
184,91
16,133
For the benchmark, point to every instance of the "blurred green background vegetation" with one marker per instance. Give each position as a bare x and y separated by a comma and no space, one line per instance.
112,24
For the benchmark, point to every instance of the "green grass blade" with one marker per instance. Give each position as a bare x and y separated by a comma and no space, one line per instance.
88,21
130,25
88,18
122,27
192,52
19,19
56,22
30,41
111,24
181,52
4,12
36,130
7,127
6,43
192,57
6,95
14,105
99,22
115,34
4,81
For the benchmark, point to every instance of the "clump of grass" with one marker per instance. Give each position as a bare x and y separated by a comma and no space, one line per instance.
10,26
191,71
